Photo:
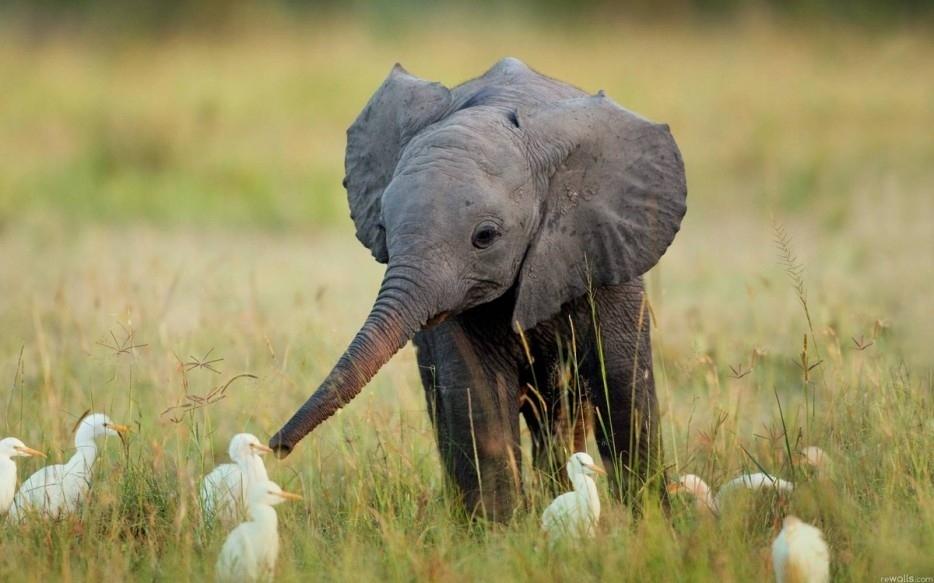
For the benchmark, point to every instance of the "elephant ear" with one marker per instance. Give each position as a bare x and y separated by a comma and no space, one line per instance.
401,107
614,197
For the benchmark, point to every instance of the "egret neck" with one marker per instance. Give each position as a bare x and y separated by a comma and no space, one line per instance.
266,520
586,489
85,454
254,468
7,482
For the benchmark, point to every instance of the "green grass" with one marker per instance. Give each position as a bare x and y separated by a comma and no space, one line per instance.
189,192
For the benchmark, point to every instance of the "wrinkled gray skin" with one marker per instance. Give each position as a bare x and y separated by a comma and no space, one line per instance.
496,206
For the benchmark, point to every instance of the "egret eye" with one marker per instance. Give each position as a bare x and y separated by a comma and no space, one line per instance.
485,234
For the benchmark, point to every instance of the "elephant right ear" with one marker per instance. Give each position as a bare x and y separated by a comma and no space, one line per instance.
401,107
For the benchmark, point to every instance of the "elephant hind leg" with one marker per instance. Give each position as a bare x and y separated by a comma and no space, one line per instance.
583,423
534,410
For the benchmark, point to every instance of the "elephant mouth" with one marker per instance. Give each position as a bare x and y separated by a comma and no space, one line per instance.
434,321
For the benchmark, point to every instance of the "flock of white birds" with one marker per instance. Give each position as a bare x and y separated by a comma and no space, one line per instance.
799,552
243,488
227,493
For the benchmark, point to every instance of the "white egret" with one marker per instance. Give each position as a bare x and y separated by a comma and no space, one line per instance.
250,551
224,490
11,447
575,514
60,489
812,456
704,499
800,554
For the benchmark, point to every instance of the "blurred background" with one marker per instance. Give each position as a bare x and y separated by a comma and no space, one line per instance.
233,114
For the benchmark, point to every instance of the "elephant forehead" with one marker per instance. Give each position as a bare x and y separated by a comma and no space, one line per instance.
439,187
470,144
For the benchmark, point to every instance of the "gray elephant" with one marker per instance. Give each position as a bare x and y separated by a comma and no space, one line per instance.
516,215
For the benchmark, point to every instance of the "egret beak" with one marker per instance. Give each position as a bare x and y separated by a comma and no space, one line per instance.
287,495
29,451
596,469
674,487
261,448
121,429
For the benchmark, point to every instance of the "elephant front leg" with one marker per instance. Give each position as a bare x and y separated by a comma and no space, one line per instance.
480,450
475,412
622,387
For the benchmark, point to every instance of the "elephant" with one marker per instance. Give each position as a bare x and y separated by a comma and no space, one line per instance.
516,215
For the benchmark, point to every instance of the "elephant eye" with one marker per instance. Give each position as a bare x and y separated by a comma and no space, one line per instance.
485,234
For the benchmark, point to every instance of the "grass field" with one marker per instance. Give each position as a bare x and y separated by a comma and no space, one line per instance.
183,197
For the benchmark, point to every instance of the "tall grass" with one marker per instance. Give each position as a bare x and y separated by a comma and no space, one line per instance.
376,506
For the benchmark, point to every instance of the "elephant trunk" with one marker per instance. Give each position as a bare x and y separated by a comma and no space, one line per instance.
401,308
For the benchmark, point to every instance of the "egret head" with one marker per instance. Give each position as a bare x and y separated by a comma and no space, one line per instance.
12,447
581,464
243,445
96,425
269,494
815,458
694,486
690,484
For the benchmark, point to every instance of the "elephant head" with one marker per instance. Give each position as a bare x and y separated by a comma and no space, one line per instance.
512,182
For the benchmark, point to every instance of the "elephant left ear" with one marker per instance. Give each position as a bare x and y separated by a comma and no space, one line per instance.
614,198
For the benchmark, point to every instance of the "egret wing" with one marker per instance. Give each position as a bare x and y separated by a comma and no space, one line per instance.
44,491
558,519
222,492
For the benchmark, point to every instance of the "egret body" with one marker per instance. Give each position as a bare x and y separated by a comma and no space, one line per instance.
251,549
60,489
704,498
575,514
224,490
10,448
757,481
799,553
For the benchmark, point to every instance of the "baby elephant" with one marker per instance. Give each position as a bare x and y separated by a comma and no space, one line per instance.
516,215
